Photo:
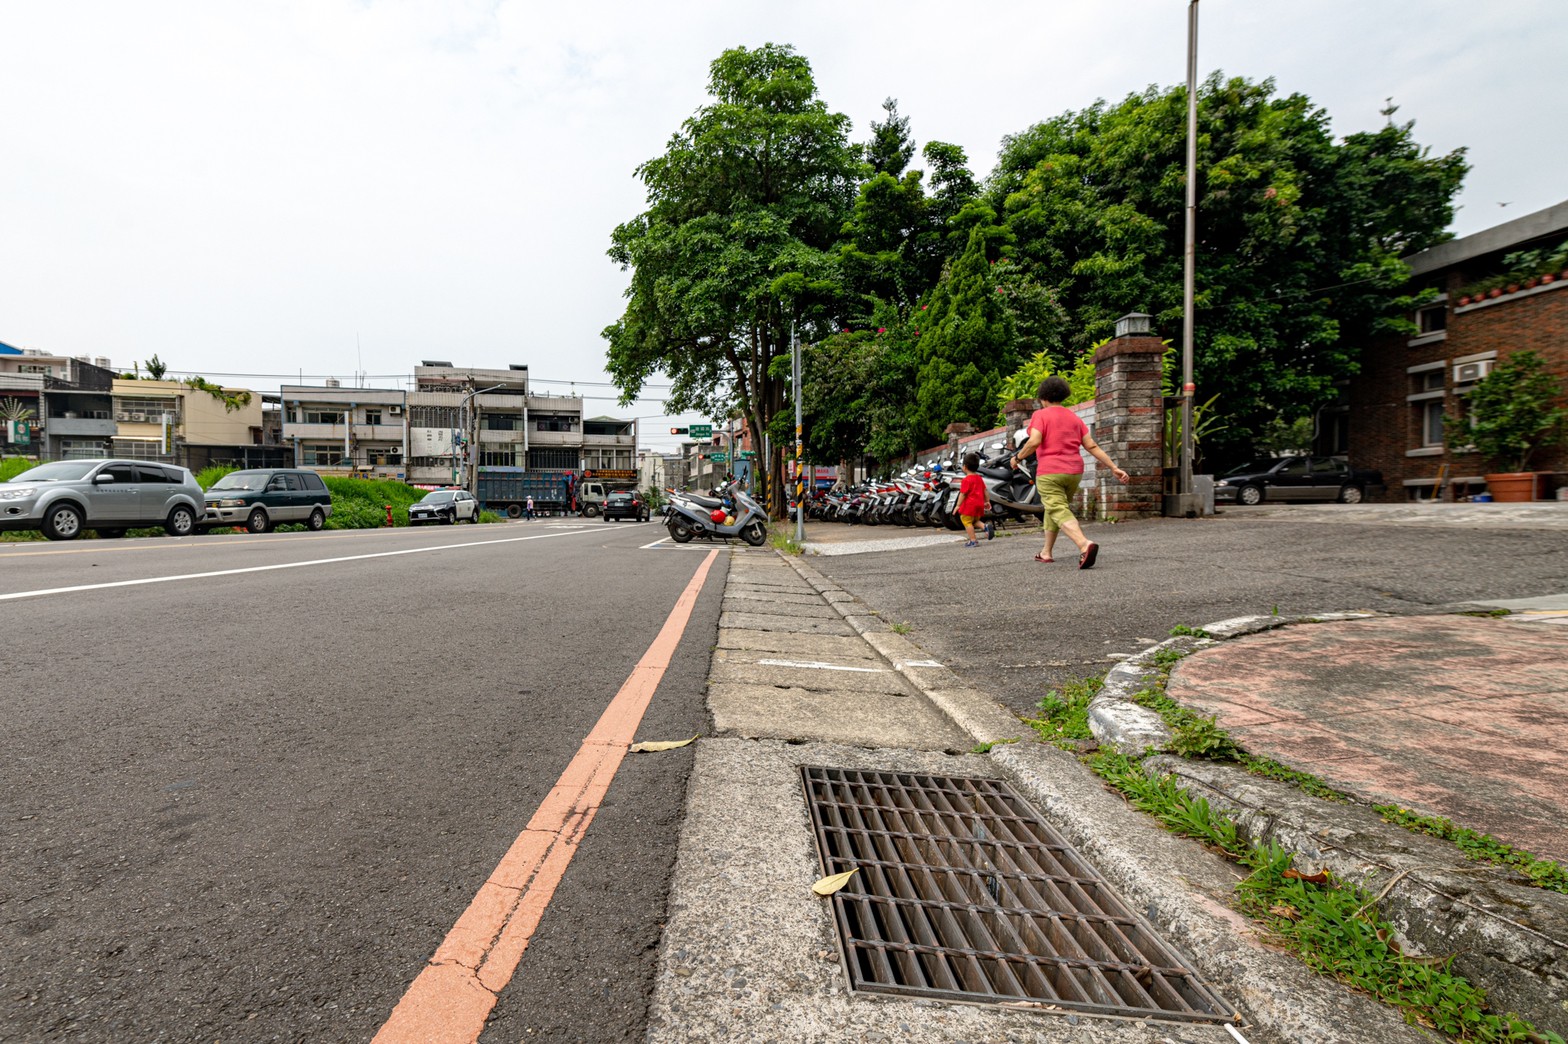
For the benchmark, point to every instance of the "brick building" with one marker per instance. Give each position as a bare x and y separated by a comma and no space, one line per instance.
1407,385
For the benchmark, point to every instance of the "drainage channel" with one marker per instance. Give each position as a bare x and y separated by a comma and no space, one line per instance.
964,893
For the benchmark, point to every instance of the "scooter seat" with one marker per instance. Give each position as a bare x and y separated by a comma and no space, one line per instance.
996,473
702,501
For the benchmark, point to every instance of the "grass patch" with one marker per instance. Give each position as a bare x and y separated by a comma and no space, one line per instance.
901,628
1490,613
1331,925
11,467
986,748
1481,847
1064,713
1183,631
784,540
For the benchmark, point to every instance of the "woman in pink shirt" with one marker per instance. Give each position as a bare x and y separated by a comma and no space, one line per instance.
1056,433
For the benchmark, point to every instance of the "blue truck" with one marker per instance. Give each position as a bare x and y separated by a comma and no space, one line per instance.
506,490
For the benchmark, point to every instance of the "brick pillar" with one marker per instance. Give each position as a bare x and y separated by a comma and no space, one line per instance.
1129,424
955,434
1017,414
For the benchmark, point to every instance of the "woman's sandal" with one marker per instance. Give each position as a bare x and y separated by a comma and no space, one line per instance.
1086,560
1040,558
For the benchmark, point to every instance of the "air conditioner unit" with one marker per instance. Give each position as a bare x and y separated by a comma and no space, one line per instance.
122,416
1470,372
394,411
139,418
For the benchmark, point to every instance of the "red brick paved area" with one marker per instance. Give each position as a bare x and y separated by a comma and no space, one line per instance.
1458,716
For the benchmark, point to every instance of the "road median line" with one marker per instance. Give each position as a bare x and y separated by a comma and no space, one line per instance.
452,997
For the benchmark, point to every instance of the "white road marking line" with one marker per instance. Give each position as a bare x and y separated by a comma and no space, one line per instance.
921,663
656,543
281,565
813,665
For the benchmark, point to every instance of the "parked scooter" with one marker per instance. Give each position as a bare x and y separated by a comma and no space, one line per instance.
729,512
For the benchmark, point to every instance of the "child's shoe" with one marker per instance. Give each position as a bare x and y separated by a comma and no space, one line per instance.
990,530
971,543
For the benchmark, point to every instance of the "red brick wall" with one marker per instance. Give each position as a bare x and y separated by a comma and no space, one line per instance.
1383,426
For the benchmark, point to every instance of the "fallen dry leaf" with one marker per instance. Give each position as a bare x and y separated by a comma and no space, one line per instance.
647,746
1290,913
1321,877
832,883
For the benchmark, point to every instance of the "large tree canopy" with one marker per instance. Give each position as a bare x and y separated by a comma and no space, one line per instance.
745,210
1299,237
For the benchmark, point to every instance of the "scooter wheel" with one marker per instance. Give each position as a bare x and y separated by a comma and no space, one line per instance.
679,533
754,534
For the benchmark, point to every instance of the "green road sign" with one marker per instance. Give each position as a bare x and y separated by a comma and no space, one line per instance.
702,431
719,458
745,454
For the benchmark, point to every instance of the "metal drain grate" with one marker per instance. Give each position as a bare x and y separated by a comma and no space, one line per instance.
964,893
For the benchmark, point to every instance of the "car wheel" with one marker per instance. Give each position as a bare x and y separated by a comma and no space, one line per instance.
1350,495
1249,495
449,518
111,534
318,519
63,522
258,522
181,521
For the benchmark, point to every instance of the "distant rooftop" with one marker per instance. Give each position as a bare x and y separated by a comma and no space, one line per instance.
1552,220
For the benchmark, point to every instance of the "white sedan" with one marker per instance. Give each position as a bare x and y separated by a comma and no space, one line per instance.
446,506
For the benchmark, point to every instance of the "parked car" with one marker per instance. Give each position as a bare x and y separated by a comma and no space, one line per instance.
625,504
64,497
261,498
1297,478
448,506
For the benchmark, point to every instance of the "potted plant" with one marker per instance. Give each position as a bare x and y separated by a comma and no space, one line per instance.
1514,411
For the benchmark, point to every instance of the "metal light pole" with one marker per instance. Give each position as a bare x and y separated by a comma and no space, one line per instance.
1190,260
800,496
471,429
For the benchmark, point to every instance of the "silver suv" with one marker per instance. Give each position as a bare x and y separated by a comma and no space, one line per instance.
67,496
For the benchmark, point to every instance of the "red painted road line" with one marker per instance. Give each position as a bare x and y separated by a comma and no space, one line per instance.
453,995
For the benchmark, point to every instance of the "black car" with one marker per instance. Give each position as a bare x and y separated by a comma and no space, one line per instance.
622,504
1297,478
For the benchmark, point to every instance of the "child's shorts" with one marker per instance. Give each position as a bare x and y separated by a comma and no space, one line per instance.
969,520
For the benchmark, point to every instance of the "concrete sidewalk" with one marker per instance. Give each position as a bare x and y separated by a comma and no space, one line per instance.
1458,716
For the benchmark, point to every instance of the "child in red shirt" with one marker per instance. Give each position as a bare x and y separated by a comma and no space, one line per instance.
973,499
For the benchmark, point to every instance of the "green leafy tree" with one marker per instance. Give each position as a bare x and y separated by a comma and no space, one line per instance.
858,388
156,368
1299,236
745,209
967,338
1514,411
890,148
1023,382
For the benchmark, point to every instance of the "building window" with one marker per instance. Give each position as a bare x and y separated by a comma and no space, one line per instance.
35,368
140,449
1432,320
551,458
614,459
501,421
321,454
500,456
555,422
316,416
372,416
434,417
81,449
1431,422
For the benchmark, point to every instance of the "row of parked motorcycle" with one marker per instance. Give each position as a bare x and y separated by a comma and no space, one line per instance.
927,494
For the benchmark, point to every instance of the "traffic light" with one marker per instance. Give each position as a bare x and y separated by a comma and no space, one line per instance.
679,431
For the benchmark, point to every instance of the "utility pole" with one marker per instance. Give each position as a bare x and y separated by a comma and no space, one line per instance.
1184,481
800,484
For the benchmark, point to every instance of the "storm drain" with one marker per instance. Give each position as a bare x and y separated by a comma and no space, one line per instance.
964,893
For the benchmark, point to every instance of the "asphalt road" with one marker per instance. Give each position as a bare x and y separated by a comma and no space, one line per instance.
1016,627
249,806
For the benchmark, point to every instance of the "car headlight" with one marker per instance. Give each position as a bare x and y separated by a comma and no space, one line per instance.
232,502
1222,482
17,494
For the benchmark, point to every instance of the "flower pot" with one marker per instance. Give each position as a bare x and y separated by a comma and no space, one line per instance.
1530,284
1513,288
1464,301
1512,487
1495,292
1548,278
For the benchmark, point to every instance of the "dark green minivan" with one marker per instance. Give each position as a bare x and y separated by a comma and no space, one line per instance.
261,498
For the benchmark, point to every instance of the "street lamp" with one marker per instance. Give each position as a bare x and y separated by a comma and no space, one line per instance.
471,429
1184,481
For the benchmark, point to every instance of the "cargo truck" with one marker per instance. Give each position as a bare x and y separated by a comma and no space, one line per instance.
597,484
506,490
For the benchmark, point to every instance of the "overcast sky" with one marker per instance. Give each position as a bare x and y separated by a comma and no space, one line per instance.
277,189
